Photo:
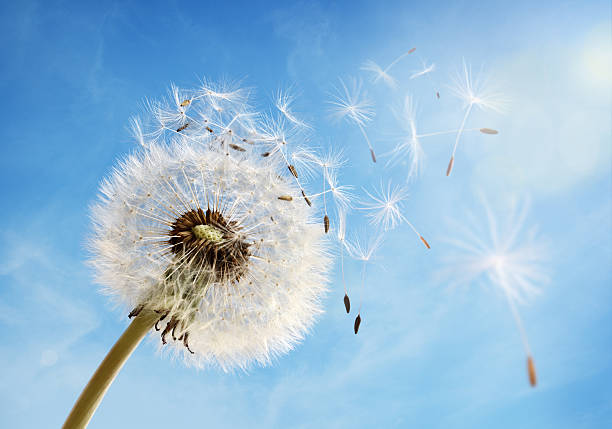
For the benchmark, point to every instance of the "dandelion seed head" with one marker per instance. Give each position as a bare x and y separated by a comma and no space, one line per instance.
200,228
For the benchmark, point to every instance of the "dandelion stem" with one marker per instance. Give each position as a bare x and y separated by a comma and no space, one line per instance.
95,390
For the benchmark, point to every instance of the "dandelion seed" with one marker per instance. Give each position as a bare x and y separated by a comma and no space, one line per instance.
293,171
422,72
326,223
182,127
283,102
383,74
474,92
341,235
306,198
410,145
236,147
488,131
364,251
502,260
185,103
531,371
385,208
357,323
353,105
286,198
378,73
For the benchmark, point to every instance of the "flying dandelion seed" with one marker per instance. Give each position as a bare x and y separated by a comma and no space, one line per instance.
283,101
352,104
426,69
379,73
509,259
410,146
385,207
207,245
475,92
341,236
363,250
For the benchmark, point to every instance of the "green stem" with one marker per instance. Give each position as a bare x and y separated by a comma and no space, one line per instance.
95,390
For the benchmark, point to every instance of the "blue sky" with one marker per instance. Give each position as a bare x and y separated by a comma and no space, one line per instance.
427,355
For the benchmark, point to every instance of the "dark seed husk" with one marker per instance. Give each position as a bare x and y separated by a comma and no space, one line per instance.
326,223
347,303
236,147
357,323
293,170
306,199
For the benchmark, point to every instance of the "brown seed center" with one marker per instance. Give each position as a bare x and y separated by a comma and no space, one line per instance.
208,240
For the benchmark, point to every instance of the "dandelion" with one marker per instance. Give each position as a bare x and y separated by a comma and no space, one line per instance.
380,73
353,104
473,92
385,207
508,260
206,244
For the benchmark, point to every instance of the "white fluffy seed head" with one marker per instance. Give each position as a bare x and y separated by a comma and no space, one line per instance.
192,227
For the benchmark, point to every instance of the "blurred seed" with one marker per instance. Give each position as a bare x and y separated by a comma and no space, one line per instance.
265,154
286,198
532,372
412,50
306,198
347,303
357,323
438,95
210,130
182,127
293,170
236,147
450,166
373,155
424,242
488,131
326,223
185,103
